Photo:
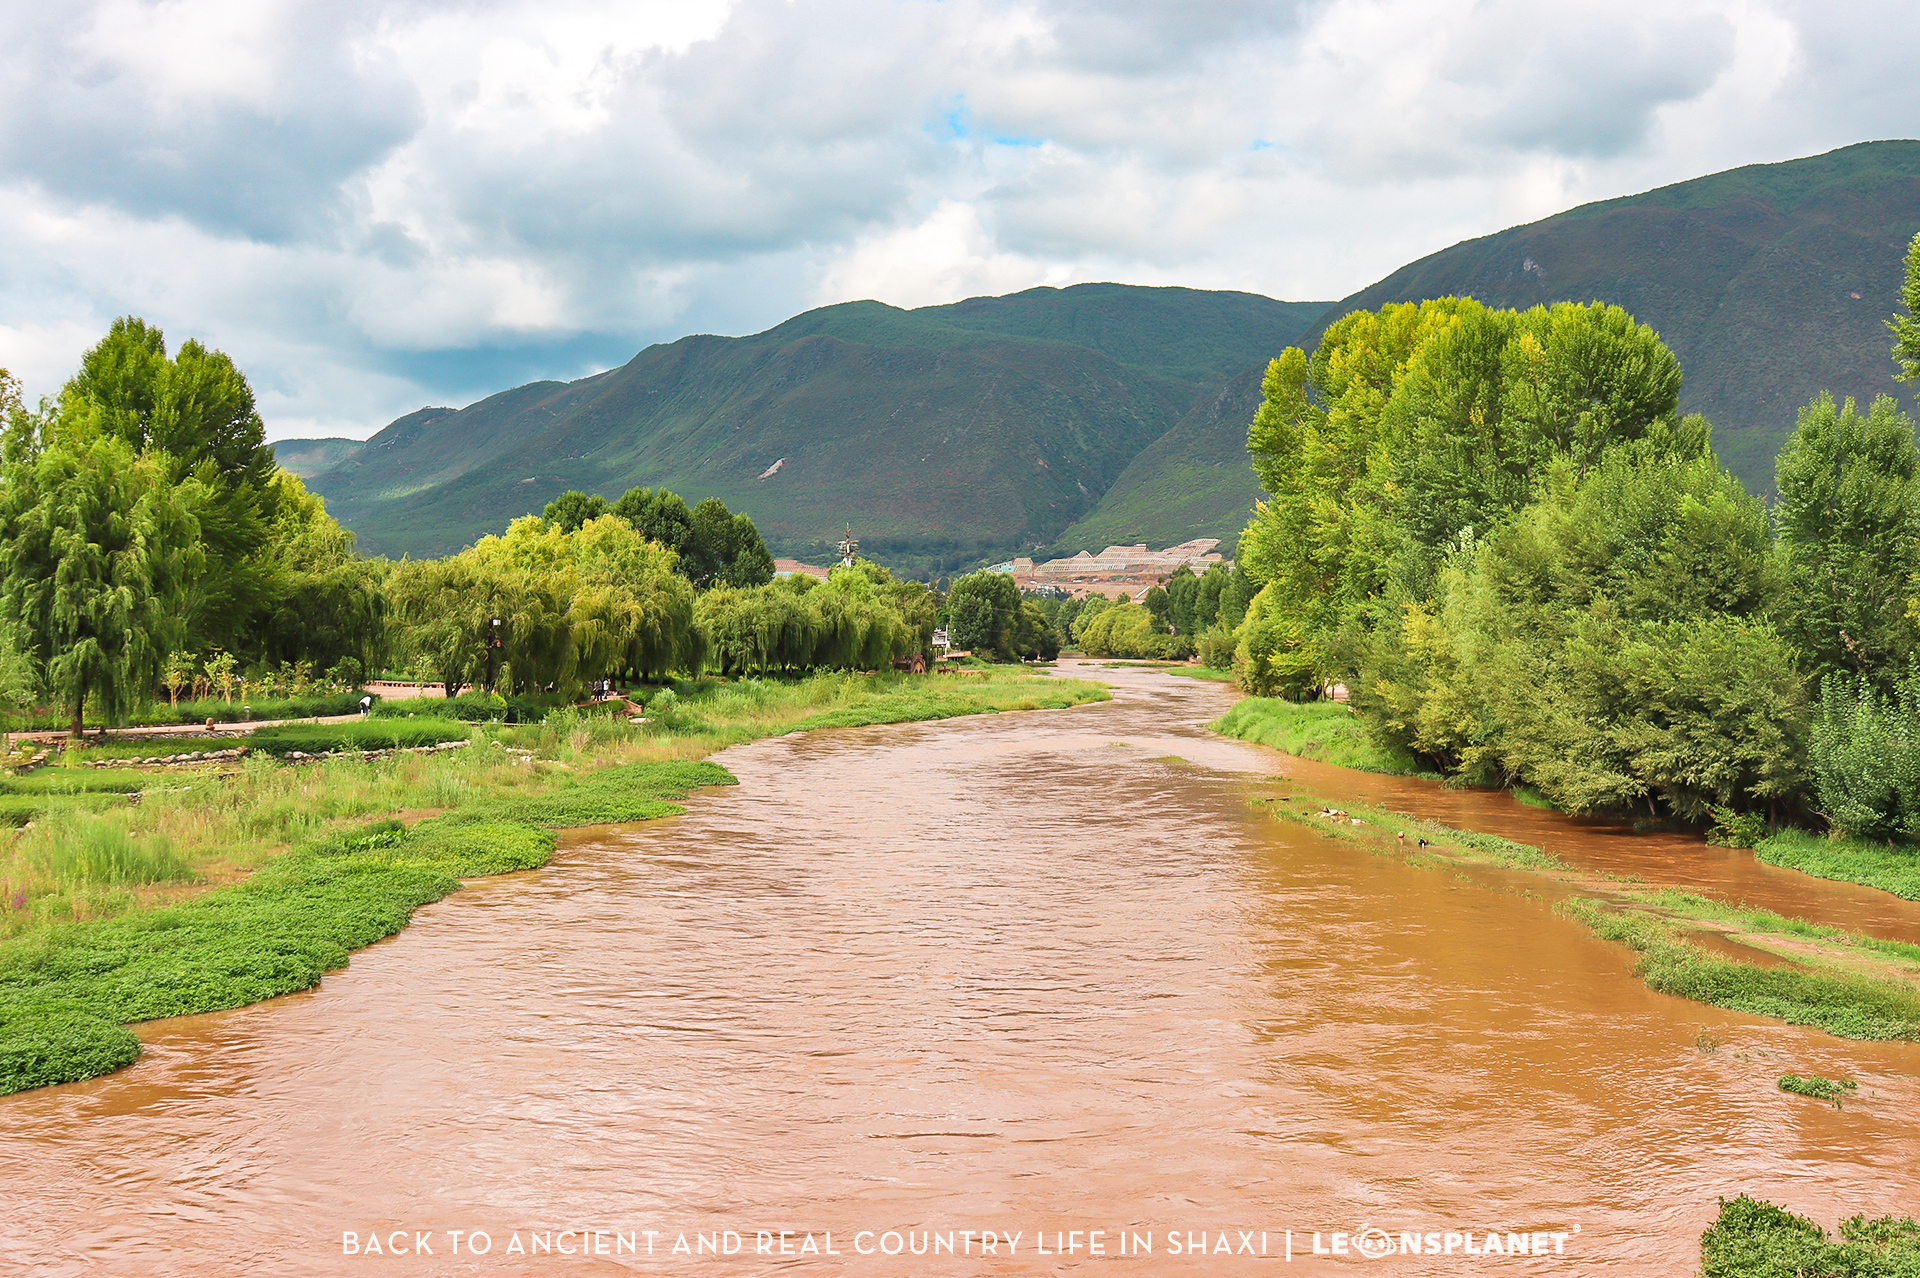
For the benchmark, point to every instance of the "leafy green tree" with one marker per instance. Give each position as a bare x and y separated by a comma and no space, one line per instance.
329,605
1160,605
983,611
1849,536
1035,638
94,550
660,516
196,407
1906,328
571,509
724,549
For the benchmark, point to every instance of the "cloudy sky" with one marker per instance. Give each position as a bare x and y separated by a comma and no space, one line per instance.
380,204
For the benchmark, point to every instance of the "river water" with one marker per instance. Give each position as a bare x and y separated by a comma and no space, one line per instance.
1033,975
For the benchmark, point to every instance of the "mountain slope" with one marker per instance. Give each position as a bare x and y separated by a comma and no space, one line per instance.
941,434
1770,282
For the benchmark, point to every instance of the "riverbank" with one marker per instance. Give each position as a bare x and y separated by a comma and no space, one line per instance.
1324,731
1841,982
242,883
1876,865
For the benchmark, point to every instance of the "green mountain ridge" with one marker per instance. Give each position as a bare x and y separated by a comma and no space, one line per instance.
941,434
1057,420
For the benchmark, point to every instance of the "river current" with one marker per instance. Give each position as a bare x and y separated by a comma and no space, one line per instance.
1047,979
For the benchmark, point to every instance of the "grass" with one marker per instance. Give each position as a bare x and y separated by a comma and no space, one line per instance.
1211,673
223,888
1888,867
1324,731
1755,1239
1846,1006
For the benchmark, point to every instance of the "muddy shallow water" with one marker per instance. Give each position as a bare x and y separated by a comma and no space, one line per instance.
1020,974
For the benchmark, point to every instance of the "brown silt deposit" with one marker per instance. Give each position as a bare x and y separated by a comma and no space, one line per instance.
1048,981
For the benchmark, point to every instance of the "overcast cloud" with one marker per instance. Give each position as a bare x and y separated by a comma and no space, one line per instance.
379,205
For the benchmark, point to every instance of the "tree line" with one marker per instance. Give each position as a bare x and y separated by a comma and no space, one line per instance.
1527,567
149,544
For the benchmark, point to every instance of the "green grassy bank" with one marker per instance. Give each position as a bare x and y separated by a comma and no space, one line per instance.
1891,868
1755,1239
246,881
1324,731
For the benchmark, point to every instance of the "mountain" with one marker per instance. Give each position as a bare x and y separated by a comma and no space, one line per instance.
942,434
1771,283
309,457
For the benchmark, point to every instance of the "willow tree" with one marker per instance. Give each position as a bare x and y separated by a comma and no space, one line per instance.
95,548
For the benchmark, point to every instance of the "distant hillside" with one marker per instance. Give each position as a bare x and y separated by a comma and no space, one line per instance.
309,457
1770,282
942,434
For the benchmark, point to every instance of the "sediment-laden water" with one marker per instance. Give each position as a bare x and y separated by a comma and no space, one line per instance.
1026,974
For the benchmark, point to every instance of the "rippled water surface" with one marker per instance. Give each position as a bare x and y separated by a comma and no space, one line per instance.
1020,974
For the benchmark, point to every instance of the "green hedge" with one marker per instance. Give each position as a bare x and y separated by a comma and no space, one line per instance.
377,734
19,809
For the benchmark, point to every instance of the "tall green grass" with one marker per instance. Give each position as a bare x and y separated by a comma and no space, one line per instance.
381,734
1891,868
1324,731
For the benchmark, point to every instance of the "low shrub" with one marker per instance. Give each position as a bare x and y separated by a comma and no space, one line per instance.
23,809
469,707
222,711
372,734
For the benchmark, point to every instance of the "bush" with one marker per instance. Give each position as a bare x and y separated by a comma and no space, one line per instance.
221,711
382,734
469,707
1866,758
1216,648
1271,657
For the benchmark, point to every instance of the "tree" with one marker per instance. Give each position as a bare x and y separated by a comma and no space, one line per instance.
329,605
1849,536
724,549
1906,328
659,516
571,509
94,550
983,611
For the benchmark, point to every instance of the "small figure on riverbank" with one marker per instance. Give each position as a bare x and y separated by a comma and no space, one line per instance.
366,706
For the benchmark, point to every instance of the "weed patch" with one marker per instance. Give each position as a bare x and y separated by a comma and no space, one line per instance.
1324,731
1891,868
1755,1239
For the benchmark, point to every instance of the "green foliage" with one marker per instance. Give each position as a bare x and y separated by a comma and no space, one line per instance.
571,509
983,614
258,710
724,549
470,707
1271,654
372,734
1906,328
1817,1087
1732,829
1849,522
1865,756
862,618
1752,1238
95,548
1130,630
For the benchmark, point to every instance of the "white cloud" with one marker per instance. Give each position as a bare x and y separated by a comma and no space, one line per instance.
379,203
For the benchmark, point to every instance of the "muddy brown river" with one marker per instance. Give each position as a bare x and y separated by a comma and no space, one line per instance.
1026,993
